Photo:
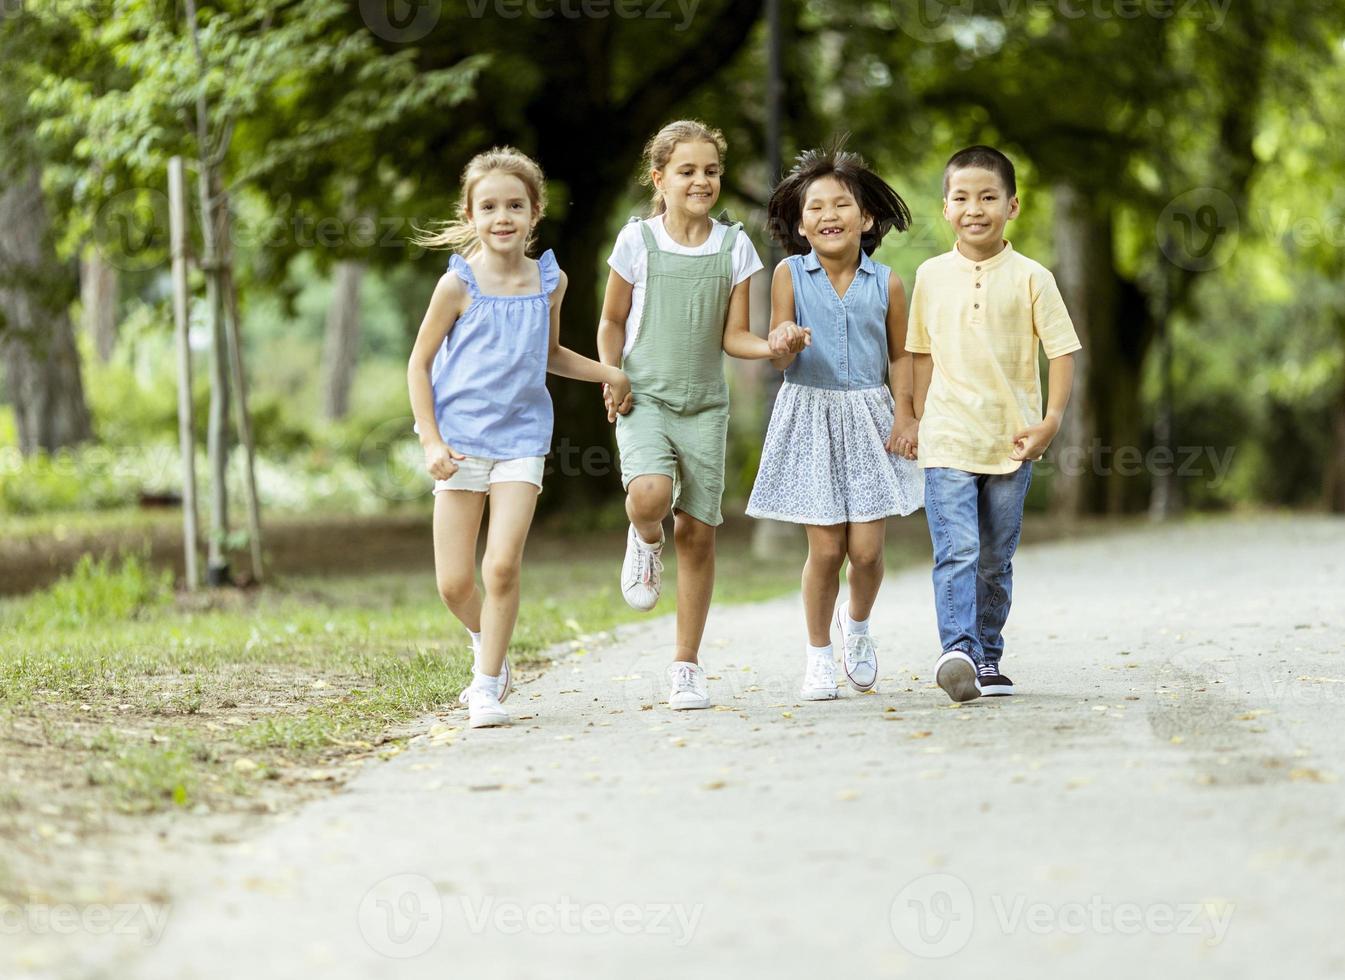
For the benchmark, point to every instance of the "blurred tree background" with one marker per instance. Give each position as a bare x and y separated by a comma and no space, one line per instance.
1177,171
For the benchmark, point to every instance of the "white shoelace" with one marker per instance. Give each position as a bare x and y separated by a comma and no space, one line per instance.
858,651
821,672
647,563
684,678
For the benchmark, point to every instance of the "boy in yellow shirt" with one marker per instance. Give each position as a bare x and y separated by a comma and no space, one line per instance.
977,315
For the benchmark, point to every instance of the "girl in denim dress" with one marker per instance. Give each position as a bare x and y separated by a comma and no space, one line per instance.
838,456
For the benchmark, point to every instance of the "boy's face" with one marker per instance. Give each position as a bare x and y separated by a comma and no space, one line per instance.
978,207
690,179
831,220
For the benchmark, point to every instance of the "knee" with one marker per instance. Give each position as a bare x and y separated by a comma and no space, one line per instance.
959,549
456,589
866,558
692,537
826,558
500,575
649,500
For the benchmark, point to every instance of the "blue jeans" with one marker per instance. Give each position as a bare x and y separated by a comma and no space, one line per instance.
974,522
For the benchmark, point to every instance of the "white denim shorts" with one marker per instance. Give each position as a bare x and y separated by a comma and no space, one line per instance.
476,473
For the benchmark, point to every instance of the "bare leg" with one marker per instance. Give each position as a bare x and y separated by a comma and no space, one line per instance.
864,548
648,500
695,541
457,522
821,579
511,509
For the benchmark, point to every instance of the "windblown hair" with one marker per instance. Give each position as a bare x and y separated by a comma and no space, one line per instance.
460,233
875,198
659,150
984,158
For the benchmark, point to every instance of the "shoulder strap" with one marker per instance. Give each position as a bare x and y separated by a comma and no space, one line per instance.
649,241
550,270
730,238
458,264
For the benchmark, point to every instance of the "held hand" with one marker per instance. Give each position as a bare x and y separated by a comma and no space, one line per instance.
789,338
617,398
439,460
1032,441
905,438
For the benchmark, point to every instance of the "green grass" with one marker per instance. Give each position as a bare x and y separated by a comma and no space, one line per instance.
147,699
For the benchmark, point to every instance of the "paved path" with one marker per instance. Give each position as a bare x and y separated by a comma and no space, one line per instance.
1160,799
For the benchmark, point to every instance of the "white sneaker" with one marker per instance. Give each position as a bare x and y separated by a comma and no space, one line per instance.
819,680
955,672
642,572
504,683
483,708
689,689
861,658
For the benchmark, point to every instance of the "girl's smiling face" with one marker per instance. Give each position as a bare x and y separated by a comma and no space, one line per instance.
831,218
502,212
689,181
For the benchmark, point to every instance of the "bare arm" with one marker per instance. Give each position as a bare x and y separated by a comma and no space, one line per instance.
782,315
616,304
900,376
1034,440
567,364
449,301
739,341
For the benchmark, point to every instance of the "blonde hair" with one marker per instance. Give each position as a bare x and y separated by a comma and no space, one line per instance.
460,233
659,150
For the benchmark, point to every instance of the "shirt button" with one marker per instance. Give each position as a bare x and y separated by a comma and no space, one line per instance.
978,285
978,268
978,306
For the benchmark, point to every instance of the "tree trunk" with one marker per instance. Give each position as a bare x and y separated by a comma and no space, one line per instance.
98,288
1335,465
36,335
1084,271
340,352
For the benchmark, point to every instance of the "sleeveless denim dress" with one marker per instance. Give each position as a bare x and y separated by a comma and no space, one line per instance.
825,459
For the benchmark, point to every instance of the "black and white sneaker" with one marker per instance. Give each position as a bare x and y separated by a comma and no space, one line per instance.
992,683
955,672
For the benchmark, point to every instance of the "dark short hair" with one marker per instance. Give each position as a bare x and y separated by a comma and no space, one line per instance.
874,197
986,158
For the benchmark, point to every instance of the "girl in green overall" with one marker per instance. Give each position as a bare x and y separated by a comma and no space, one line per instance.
676,298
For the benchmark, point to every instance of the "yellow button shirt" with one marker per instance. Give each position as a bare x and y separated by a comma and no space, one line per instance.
981,322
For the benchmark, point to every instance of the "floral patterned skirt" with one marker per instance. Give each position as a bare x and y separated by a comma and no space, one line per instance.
825,459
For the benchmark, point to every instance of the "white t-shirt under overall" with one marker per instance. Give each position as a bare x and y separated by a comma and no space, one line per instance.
630,261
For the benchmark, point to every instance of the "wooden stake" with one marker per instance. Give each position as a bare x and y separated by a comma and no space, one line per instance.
177,211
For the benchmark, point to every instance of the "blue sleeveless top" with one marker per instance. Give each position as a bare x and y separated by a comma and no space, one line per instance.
489,377
849,348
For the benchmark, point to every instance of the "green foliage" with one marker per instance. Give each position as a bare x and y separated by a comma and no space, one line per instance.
99,592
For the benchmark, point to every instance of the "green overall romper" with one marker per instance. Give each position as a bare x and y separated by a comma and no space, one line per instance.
678,426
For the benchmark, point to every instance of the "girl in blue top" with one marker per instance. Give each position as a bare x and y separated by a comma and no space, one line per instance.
839,454
477,378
